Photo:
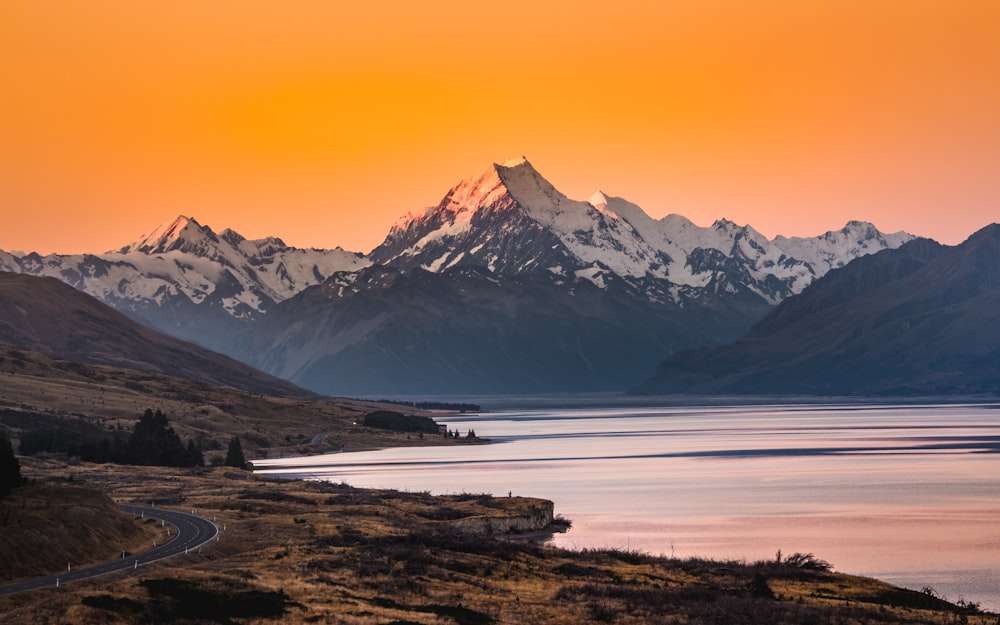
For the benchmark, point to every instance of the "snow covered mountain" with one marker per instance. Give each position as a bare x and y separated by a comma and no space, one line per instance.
186,280
267,269
506,285
920,320
511,220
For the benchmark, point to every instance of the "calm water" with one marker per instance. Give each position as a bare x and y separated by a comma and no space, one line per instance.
908,494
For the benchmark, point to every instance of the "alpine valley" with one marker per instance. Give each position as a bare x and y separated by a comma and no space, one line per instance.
917,320
505,286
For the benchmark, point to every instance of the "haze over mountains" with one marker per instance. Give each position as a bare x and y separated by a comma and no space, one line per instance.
47,316
918,320
506,285
184,279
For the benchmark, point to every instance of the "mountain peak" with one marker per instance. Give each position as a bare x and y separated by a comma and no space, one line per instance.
725,225
232,237
514,179
599,199
168,236
514,162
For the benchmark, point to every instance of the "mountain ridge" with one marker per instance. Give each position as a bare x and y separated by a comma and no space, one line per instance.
915,320
544,230
506,225
184,279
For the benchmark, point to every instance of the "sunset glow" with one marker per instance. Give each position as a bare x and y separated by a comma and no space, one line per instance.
322,122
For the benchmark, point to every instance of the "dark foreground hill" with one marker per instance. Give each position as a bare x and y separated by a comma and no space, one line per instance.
48,316
920,320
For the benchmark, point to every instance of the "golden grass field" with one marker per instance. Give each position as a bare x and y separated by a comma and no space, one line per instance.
311,552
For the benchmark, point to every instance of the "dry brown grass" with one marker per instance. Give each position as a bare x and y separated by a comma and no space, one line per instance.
36,390
47,526
302,552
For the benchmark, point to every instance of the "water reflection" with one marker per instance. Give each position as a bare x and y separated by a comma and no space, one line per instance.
906,493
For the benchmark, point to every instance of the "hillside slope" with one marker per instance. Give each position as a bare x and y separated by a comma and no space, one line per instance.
46,526
919,320
48,316
466,330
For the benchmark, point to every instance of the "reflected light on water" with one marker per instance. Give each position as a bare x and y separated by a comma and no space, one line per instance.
909,494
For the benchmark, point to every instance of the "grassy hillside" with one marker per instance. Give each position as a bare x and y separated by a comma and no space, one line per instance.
307,552
39,391
48,316
47,526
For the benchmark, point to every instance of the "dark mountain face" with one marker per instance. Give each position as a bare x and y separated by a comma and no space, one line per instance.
922,319
48,316
467,330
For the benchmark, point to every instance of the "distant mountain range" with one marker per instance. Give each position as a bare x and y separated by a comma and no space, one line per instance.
506,285
923,319
512,221
184,279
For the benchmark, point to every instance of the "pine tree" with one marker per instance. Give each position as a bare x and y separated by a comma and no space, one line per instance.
234,455
154,443
193,456
10,468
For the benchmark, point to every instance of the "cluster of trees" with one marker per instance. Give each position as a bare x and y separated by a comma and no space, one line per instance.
434,405
152,442
398,422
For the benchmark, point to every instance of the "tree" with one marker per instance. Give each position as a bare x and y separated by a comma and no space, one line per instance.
10,468
193,456
234,456
154,443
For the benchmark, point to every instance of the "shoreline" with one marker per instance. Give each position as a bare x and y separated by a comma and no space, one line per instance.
340,552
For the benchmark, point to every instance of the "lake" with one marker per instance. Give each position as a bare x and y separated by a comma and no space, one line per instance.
906,493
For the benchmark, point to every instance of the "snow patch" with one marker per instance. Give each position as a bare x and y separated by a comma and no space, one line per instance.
592,274
435,266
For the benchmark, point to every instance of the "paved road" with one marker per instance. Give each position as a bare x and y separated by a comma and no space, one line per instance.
190,533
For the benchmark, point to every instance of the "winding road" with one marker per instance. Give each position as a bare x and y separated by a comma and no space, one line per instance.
191,532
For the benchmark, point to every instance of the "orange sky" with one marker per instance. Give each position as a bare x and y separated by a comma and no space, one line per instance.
321,122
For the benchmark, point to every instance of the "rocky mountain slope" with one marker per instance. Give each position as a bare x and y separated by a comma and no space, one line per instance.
512,221
919,320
